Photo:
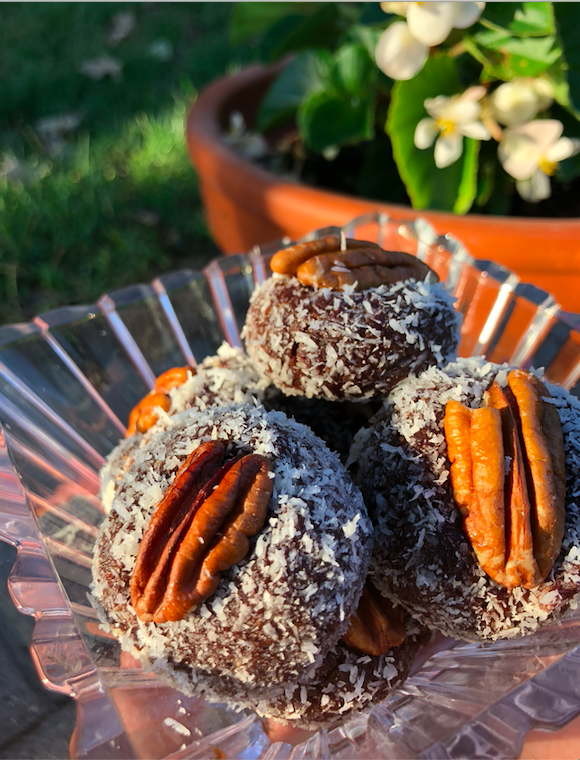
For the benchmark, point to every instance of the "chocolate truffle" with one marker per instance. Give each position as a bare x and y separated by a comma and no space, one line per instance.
276,614
340,342
423,558
347,682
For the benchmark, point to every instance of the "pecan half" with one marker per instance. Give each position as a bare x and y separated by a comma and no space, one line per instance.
322,264
289,259
172,378
143,416
544,444
514,515
200,528
376,626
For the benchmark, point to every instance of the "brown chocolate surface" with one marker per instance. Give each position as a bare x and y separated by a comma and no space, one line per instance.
335,422
275,615
422,557
346,682
346,344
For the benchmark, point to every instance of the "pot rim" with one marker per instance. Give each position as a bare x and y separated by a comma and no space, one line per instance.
204,133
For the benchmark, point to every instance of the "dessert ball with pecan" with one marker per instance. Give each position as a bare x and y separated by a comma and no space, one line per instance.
229,377
348,324
472,478
350,679
235,553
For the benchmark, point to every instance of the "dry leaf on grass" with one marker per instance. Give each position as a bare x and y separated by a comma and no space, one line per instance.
122,25
98,68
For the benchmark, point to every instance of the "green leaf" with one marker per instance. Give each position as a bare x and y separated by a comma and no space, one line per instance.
531,56
518,40
449,189
328,119
510,57
467,189
354,72
253,19
521,19
278,35
568,24
492,38
323,28
305,74
366,36
557,76
348,77
533,19
349,14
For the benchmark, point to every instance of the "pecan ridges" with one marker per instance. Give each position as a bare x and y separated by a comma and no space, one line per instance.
514,516
201,528
323,264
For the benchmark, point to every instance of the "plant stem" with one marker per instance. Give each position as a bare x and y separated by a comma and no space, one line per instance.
457,50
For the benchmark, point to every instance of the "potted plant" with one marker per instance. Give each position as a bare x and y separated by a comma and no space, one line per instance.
464,113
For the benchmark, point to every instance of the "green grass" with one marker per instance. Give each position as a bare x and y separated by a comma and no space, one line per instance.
119,202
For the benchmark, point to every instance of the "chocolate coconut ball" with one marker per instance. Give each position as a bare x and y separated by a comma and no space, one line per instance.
345,343
347,682
276,613
229,377
424,557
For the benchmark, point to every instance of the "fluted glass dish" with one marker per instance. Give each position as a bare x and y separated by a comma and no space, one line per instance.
68,380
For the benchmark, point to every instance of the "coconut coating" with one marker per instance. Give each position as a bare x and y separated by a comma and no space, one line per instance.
346,344
346,682
280,610
423,559
229,377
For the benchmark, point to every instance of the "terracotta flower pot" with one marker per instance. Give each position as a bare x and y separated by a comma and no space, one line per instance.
246,205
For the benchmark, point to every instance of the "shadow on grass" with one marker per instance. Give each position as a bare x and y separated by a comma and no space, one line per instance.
112,200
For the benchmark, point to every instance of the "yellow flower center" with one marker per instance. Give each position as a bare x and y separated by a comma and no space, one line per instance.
548,167
446,127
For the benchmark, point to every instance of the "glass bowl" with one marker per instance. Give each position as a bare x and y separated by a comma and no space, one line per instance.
68,380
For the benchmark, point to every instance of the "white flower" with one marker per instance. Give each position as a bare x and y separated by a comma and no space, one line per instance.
399,8
531,152
398,54
403,48
521,100
450,120
431,23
